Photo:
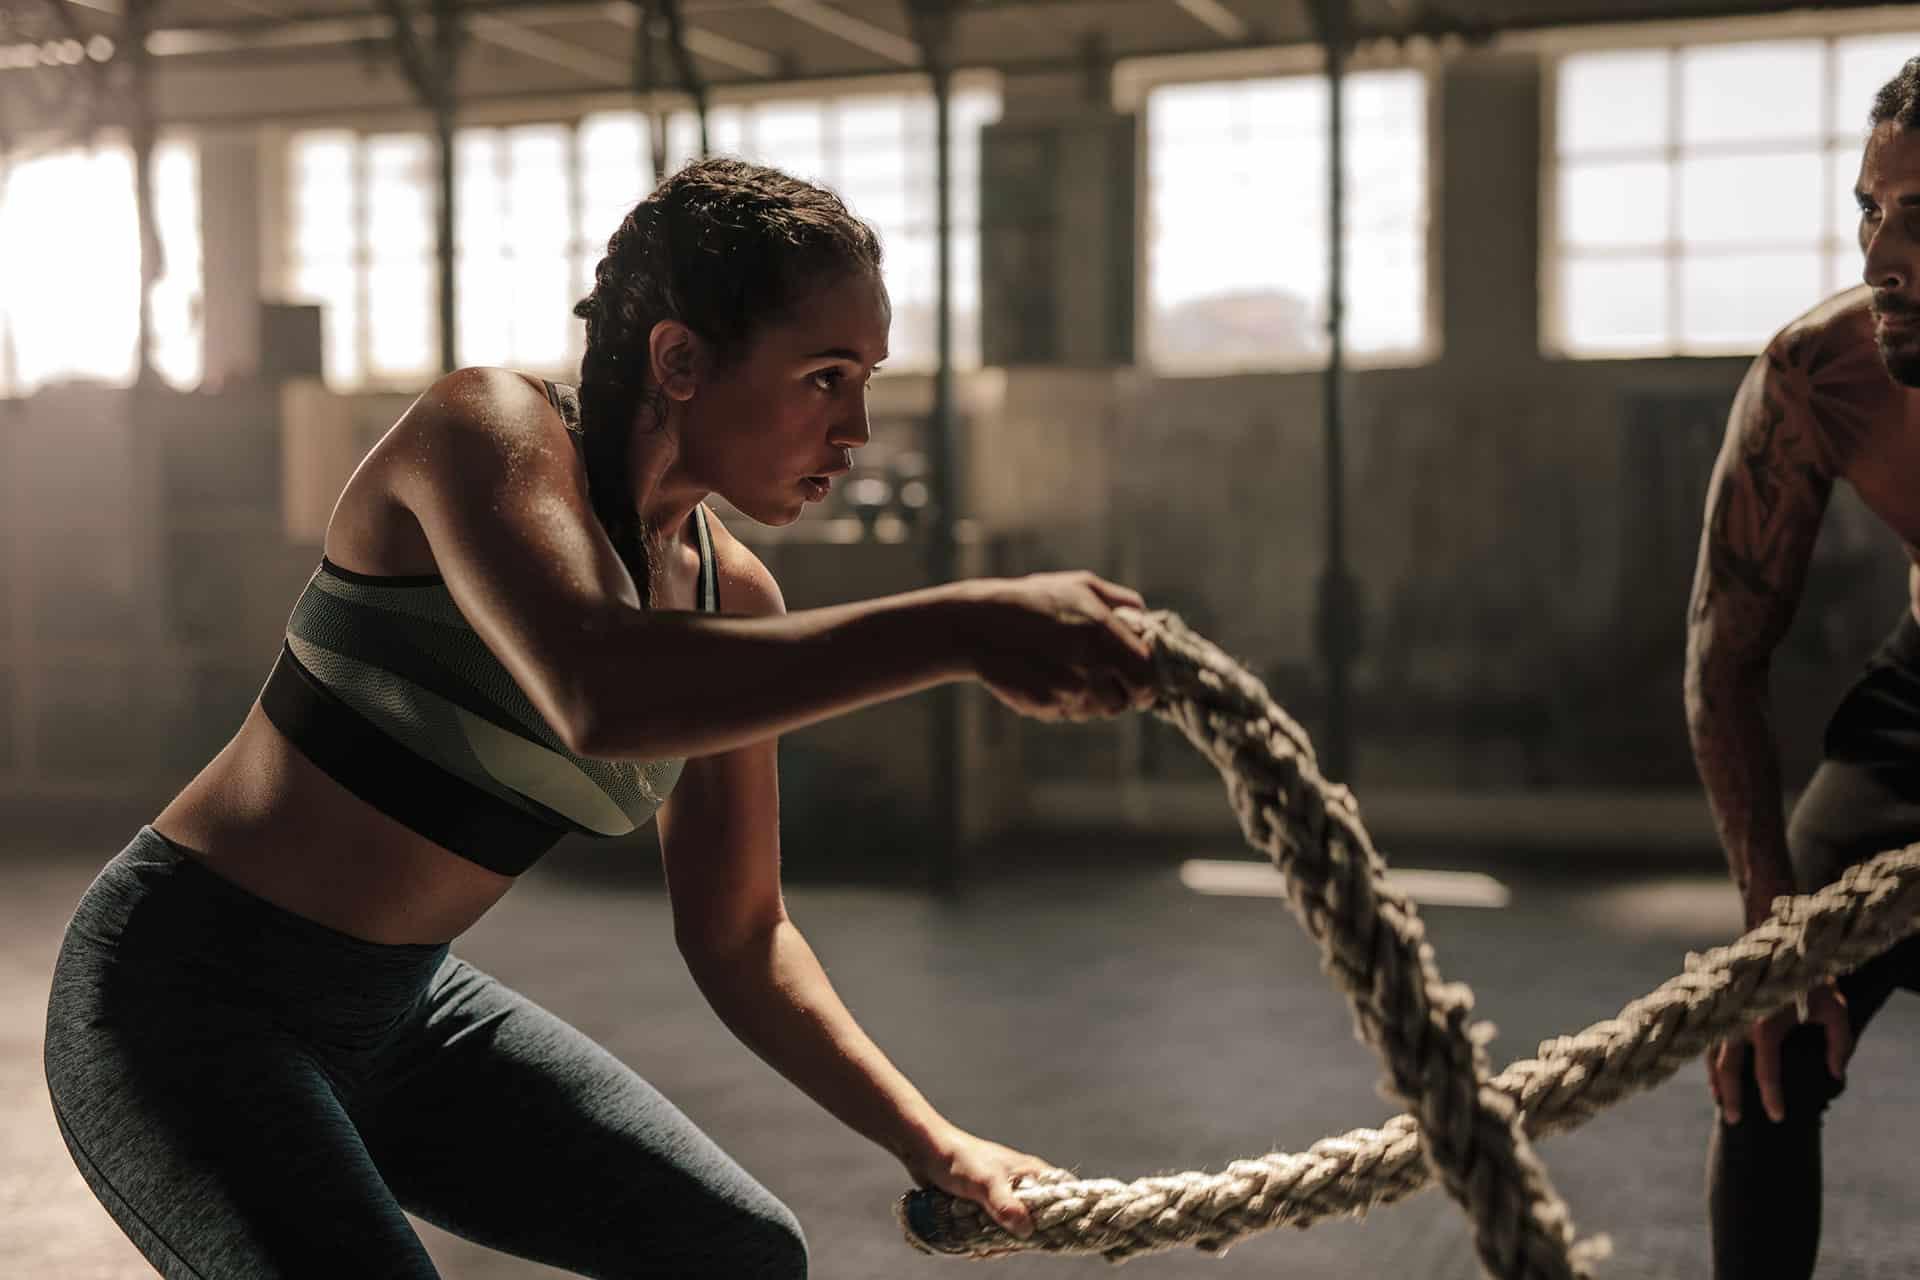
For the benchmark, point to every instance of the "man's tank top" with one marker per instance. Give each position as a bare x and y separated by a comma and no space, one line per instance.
384,685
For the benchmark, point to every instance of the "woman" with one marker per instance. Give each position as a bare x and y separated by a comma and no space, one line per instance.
259,1048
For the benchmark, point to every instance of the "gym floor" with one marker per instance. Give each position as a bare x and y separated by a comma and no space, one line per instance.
1114,1022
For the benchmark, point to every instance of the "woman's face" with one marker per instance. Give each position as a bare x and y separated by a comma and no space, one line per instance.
770,432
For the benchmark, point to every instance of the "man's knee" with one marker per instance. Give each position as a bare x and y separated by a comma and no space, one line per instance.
1806,1086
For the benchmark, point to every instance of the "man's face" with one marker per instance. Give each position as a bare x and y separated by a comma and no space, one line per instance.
1889,194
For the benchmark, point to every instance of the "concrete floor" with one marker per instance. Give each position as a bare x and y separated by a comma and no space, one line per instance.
1117,1024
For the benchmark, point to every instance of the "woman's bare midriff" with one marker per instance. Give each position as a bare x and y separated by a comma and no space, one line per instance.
264,817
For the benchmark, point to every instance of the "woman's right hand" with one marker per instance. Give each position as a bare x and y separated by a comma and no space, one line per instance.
1050,646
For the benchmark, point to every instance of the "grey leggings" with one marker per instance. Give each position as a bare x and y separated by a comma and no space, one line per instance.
251,1094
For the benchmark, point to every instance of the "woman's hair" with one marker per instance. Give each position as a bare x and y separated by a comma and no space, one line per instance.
1899,98
724,247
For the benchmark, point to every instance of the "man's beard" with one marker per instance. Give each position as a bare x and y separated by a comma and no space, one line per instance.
1900,346
1901,355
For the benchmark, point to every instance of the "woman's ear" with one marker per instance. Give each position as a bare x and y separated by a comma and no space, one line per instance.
673,354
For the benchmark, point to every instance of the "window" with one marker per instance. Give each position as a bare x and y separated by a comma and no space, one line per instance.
70,255
1237,270
1701,196
515,289
362,240
535,206
875,150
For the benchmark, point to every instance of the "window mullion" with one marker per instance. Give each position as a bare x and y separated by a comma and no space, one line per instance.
1676,160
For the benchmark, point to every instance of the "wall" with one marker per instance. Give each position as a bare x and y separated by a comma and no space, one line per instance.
146,579
1523,530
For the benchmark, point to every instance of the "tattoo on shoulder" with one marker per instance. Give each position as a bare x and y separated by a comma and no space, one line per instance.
1766,499
1843,424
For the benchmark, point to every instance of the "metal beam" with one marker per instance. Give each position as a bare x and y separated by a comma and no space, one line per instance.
690,79
413,59
932,24
1223,21
175,42
705,44
508,27
143,130
855,31
643,90
1339,619
504,33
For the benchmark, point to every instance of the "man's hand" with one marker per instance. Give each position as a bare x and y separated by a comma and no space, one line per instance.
1825,1006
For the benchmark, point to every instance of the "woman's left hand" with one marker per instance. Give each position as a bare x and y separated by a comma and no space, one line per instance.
984,1172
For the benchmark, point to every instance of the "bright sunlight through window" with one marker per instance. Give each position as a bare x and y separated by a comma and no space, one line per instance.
1702,196
70,260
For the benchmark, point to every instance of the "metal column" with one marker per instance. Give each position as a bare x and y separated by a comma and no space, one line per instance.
432,77
933,28
1337,626
690,78
142,132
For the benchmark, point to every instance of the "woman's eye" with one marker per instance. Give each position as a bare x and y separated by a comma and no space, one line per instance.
827,379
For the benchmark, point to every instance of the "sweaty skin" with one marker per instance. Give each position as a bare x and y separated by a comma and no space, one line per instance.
1831,398
271,821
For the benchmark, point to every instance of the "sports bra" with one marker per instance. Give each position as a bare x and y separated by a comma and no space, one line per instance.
383,685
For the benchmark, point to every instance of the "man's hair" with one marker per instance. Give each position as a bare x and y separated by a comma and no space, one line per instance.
723,246
1899,98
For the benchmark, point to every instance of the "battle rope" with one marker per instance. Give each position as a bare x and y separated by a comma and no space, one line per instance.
1465,1127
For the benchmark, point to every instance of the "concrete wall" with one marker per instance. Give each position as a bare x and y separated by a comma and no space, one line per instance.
1523,528
147,576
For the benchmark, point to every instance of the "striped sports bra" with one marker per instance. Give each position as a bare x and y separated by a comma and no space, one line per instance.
384,686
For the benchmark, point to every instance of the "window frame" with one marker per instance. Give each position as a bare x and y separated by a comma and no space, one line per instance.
1134,82
1673,252
582,250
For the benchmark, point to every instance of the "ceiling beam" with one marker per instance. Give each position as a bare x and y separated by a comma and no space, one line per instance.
191,41
704,44
1223,21
505,33
855,31
506,29
336,29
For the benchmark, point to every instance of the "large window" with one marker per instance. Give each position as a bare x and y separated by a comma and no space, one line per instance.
363,248
1237,255
536,205
1702,196
516,284
70,267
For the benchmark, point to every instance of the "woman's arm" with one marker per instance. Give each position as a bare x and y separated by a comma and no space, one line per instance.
483,465
720,838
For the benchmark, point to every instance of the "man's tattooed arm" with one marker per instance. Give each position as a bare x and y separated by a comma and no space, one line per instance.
1764,505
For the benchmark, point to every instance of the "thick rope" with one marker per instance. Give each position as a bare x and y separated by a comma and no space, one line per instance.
1372,945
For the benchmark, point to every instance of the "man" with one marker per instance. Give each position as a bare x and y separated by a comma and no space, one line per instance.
1832,397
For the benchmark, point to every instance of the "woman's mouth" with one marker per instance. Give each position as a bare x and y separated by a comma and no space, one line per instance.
818,487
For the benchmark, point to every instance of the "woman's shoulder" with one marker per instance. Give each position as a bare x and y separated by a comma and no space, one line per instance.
470,425
746,584
480,408
486,397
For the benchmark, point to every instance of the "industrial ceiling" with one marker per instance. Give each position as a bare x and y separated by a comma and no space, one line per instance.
246,61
